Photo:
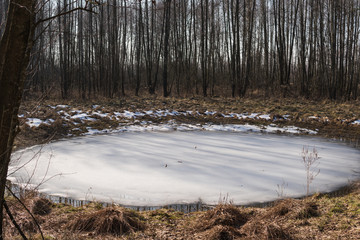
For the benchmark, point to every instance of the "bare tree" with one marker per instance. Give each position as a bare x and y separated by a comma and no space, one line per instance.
202,47
16,44
167,9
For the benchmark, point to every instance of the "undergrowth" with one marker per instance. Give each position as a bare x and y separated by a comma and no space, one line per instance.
320,216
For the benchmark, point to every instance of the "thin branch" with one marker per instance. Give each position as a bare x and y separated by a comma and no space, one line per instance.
53,176
42,31
36,155
41,4
13,220
64,13
21,6
37,224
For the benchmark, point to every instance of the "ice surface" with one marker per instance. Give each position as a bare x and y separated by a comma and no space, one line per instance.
157,168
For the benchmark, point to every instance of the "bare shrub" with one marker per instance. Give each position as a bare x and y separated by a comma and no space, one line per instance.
281,189
224,200
307,210
310,161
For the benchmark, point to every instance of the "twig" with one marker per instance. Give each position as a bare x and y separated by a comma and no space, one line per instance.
13,220
37,224
64,13
21,6
56,175
36,155
309,159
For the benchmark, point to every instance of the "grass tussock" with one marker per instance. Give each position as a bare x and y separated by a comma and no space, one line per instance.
223,215
221,223
276,222
298,209
264,229
321,216
113,221
221,232
41,206
274,231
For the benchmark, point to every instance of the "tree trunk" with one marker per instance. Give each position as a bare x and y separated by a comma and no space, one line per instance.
166,48
15,47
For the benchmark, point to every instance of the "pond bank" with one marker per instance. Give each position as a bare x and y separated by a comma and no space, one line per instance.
51,120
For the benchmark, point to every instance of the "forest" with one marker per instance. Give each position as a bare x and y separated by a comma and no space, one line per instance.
187,119
230,48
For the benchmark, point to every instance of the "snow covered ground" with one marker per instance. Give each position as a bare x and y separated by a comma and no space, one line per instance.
146,126
96,113
158,168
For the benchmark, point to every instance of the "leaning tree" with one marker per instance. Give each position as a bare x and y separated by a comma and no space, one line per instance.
17,39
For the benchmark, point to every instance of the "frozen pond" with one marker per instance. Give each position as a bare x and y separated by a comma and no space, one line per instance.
159,168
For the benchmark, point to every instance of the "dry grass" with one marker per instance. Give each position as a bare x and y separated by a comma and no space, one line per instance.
335,216
333,118
223,223
114,221
292,208
321,216
224,215
41,206
220,232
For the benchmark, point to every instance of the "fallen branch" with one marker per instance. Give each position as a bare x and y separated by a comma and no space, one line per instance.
13,220
37,224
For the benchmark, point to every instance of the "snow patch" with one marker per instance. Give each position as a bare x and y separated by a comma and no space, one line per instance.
82,117
356,122
62,106
34,122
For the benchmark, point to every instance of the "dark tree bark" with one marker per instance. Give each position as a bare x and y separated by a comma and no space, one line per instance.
167,10
16,45
138,49
123,53
15,48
